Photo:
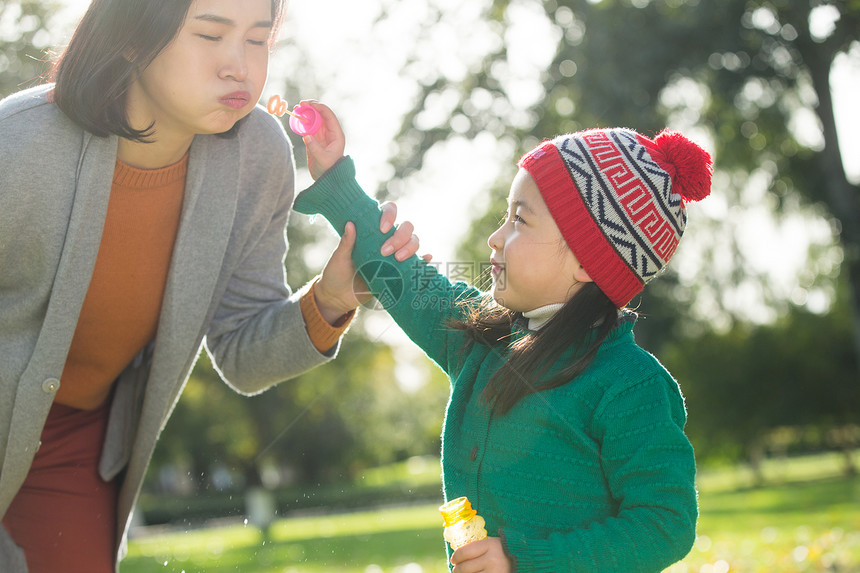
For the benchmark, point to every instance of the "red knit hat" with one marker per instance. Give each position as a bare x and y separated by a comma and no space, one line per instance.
618,199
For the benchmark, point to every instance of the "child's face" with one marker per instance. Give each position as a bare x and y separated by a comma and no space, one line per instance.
532,264
210,75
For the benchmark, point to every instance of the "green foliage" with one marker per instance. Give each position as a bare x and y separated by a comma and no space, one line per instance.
742,384
322,427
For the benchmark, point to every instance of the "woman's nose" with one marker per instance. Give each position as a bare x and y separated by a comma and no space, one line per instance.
235,64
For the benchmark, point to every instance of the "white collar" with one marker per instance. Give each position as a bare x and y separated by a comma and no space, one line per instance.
541,315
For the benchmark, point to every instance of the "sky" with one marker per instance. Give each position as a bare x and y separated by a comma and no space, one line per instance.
358,75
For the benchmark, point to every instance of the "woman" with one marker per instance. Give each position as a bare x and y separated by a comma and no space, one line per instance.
143,201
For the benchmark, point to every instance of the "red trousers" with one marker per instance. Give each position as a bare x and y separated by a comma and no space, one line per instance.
64,516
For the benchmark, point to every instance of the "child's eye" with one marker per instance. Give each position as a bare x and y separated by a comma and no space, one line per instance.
209,38
257,42
518,219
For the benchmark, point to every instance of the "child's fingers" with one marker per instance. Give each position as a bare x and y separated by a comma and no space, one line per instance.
329,118
311,145
468,552
486,555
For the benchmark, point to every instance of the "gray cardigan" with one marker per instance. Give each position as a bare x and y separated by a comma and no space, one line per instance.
226,283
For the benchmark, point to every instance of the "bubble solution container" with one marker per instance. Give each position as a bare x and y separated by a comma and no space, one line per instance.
305,120
463,525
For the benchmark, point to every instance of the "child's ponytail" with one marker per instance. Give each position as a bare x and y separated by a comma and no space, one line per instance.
580,327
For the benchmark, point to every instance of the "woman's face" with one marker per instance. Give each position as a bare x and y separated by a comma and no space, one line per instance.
210,75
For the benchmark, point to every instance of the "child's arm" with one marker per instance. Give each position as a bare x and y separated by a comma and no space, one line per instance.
418,297
336,292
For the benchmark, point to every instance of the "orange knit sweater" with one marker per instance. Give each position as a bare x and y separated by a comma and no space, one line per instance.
120,312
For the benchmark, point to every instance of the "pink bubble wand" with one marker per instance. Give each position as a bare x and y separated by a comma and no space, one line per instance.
304,119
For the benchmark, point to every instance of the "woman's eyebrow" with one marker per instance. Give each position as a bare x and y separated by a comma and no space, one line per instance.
228,22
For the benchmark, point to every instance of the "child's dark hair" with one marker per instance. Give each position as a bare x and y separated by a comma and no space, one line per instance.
114,39
583,323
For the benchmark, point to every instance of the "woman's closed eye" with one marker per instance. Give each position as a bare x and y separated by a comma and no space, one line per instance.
253,42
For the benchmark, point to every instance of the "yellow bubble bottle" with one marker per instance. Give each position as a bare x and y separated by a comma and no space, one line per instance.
462,523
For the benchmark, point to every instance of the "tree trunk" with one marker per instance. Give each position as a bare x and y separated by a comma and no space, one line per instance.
841,195
755,457
848,453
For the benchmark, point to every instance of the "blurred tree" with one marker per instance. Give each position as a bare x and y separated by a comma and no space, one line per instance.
743,384
756,85
24,39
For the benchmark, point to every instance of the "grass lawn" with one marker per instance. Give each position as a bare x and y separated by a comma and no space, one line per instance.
806,519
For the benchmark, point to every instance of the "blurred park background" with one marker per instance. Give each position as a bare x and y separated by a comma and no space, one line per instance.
758,317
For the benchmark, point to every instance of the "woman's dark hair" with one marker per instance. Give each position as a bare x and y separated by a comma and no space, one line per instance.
114,39
582,323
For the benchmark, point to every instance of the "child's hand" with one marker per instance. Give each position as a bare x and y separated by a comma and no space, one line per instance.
340,289
486,555
325,146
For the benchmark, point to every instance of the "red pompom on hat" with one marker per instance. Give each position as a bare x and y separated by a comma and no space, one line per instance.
619,198
687,164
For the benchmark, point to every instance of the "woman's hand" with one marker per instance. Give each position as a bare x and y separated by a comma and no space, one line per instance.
486,555
325,147
340,288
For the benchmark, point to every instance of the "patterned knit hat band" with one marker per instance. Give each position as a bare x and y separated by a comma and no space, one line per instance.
618,199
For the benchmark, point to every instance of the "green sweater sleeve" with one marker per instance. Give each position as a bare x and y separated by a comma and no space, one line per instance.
650,468
419,298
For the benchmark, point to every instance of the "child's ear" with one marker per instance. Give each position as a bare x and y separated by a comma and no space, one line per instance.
581,275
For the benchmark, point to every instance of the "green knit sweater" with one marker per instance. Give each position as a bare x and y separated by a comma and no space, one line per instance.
596,475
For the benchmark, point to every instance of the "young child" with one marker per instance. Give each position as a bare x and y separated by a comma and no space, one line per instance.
564,434
143,202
